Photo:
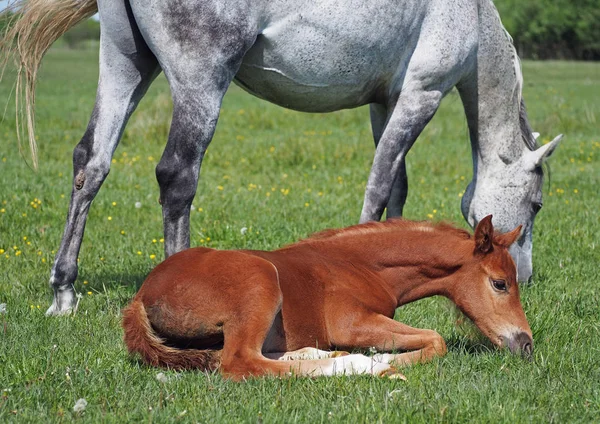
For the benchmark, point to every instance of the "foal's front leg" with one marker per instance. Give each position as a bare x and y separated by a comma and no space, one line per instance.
386,334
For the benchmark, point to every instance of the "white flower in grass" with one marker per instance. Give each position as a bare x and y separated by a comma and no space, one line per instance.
244,230
138,205
393,392
80,405
162,377
2,308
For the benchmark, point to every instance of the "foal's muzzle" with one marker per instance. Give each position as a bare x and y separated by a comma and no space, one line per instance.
520,343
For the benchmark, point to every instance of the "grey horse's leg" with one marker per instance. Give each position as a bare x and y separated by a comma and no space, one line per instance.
413,110
195,115
197,86
127,68
379,117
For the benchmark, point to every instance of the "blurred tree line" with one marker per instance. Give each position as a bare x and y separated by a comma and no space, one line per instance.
85,32
541,29
553,29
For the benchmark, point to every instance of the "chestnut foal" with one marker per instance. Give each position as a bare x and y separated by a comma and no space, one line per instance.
235,310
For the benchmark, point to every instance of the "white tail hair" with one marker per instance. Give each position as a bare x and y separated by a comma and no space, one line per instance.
32,27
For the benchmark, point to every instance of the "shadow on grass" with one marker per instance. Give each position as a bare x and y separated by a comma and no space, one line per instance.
121,286
477,346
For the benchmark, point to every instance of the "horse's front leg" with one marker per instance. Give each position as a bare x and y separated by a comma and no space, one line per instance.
379,118
385,335
413,110
127,68
197,87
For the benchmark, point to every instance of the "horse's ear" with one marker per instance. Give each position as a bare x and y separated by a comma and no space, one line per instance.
484,234
507,239
537,157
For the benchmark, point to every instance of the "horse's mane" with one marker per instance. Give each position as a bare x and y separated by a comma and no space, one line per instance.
526,131
389,226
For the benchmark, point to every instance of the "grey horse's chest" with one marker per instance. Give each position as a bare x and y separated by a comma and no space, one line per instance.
312,63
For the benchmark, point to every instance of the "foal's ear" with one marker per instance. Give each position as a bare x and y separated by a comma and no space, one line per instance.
507,239
484,234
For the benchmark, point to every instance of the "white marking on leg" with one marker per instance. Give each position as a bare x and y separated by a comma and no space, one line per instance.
306,353
354,365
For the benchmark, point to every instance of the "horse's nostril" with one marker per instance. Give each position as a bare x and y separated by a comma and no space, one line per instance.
521,343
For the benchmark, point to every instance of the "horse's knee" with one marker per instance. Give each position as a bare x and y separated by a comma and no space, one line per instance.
178,182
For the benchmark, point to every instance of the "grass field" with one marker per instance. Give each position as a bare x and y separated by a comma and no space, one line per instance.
284,175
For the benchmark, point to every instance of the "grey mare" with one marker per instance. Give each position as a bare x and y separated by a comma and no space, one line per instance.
400,57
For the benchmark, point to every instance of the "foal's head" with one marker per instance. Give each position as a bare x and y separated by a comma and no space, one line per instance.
489,293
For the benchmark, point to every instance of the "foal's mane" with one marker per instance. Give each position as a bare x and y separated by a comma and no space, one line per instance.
396,225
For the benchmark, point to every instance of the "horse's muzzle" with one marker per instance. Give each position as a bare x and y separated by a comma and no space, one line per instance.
521,343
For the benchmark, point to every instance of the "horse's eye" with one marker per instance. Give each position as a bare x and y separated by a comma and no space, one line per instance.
499,285
537,206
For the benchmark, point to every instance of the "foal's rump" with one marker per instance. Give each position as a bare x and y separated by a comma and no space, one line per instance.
141,338
197,302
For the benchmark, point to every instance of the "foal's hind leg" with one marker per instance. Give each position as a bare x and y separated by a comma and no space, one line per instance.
305,353
247,318
395,205
127,68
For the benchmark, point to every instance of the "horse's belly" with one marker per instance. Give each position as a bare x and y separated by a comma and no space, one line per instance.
278,85
302,63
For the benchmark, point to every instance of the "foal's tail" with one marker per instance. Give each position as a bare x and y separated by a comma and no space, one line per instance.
140,337
31,26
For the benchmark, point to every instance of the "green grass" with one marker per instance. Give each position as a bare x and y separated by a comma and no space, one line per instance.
314,168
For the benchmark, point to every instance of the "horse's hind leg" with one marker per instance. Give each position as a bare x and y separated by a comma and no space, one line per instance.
200,49
127,68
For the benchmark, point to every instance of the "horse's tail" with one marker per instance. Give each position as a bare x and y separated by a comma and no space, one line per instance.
140,337
31,28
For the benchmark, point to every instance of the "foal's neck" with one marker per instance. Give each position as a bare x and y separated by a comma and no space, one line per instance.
417,263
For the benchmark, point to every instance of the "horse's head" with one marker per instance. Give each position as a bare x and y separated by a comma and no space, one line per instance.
512,192
489,293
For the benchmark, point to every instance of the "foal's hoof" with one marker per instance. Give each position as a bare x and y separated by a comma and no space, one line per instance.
393,373
398,376
338,353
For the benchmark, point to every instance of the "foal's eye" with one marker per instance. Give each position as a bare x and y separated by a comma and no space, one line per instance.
499,285
537,206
